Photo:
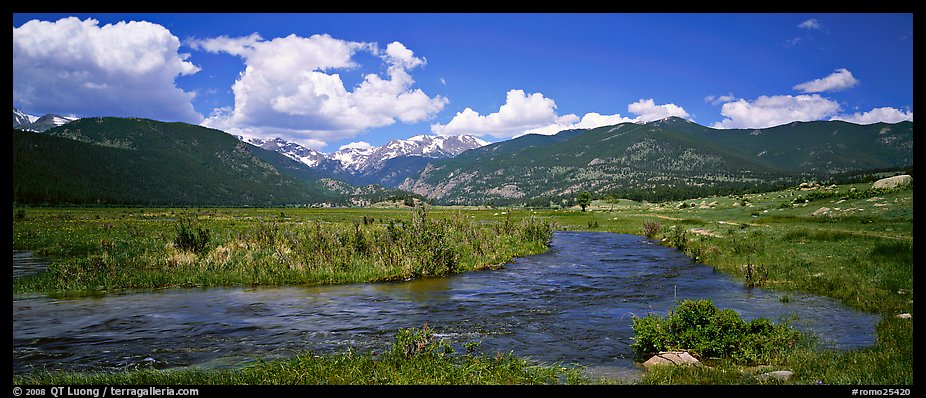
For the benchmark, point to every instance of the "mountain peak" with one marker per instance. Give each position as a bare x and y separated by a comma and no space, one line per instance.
429,146
20,118
290,149
25,121
670,120
361,157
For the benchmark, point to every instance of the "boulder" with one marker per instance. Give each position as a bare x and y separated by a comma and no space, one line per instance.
821,211
677,358
905,316
893,182
783,375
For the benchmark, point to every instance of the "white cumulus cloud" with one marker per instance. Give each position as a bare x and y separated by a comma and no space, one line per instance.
123,69
588,121
841,79
810,24
535,114
357,145
647,110
520,112
719,99
290,87
768,111
884,114
401,55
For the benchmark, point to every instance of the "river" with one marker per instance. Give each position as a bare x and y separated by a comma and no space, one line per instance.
572,304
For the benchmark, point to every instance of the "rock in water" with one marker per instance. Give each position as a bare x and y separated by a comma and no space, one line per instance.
893,182
677,358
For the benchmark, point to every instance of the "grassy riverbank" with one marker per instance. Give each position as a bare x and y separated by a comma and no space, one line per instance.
416,357
102,250
851,243
858,252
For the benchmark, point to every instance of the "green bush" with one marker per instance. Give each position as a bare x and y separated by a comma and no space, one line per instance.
189,239
678,238
413,342
536,230
702,329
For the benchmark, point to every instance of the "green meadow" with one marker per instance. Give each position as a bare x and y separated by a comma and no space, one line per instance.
849,242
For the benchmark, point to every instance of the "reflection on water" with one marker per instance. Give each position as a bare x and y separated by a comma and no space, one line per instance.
572,304
25,263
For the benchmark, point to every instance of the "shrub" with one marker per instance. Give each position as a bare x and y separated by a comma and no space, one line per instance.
414,342
678,238
535,230
190,240
651,228
755,275
699,327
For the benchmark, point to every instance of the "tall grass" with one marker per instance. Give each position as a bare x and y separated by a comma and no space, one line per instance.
276,252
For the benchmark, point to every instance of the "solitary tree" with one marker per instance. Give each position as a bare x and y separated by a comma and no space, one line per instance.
584,199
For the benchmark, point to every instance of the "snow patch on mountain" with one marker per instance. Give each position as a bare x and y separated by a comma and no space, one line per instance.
353,157
289,149
21,118
27,122
361,157
430,146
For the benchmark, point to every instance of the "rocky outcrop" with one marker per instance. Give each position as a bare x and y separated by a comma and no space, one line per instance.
676,358
782,375
893,182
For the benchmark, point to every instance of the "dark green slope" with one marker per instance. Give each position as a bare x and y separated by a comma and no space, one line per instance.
393,172
146,162
824,147
667,159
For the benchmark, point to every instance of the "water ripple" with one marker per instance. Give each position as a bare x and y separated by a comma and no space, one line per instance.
572,304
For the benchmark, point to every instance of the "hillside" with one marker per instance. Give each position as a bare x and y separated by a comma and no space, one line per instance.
667,159
146,162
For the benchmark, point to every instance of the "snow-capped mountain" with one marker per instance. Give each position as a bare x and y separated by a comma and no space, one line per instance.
429,146
353,158
362,158
292,150
25,121
20,118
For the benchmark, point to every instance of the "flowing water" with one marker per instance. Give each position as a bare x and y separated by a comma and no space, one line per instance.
25,263
572,304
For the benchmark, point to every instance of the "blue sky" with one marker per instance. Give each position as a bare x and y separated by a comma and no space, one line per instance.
326,80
